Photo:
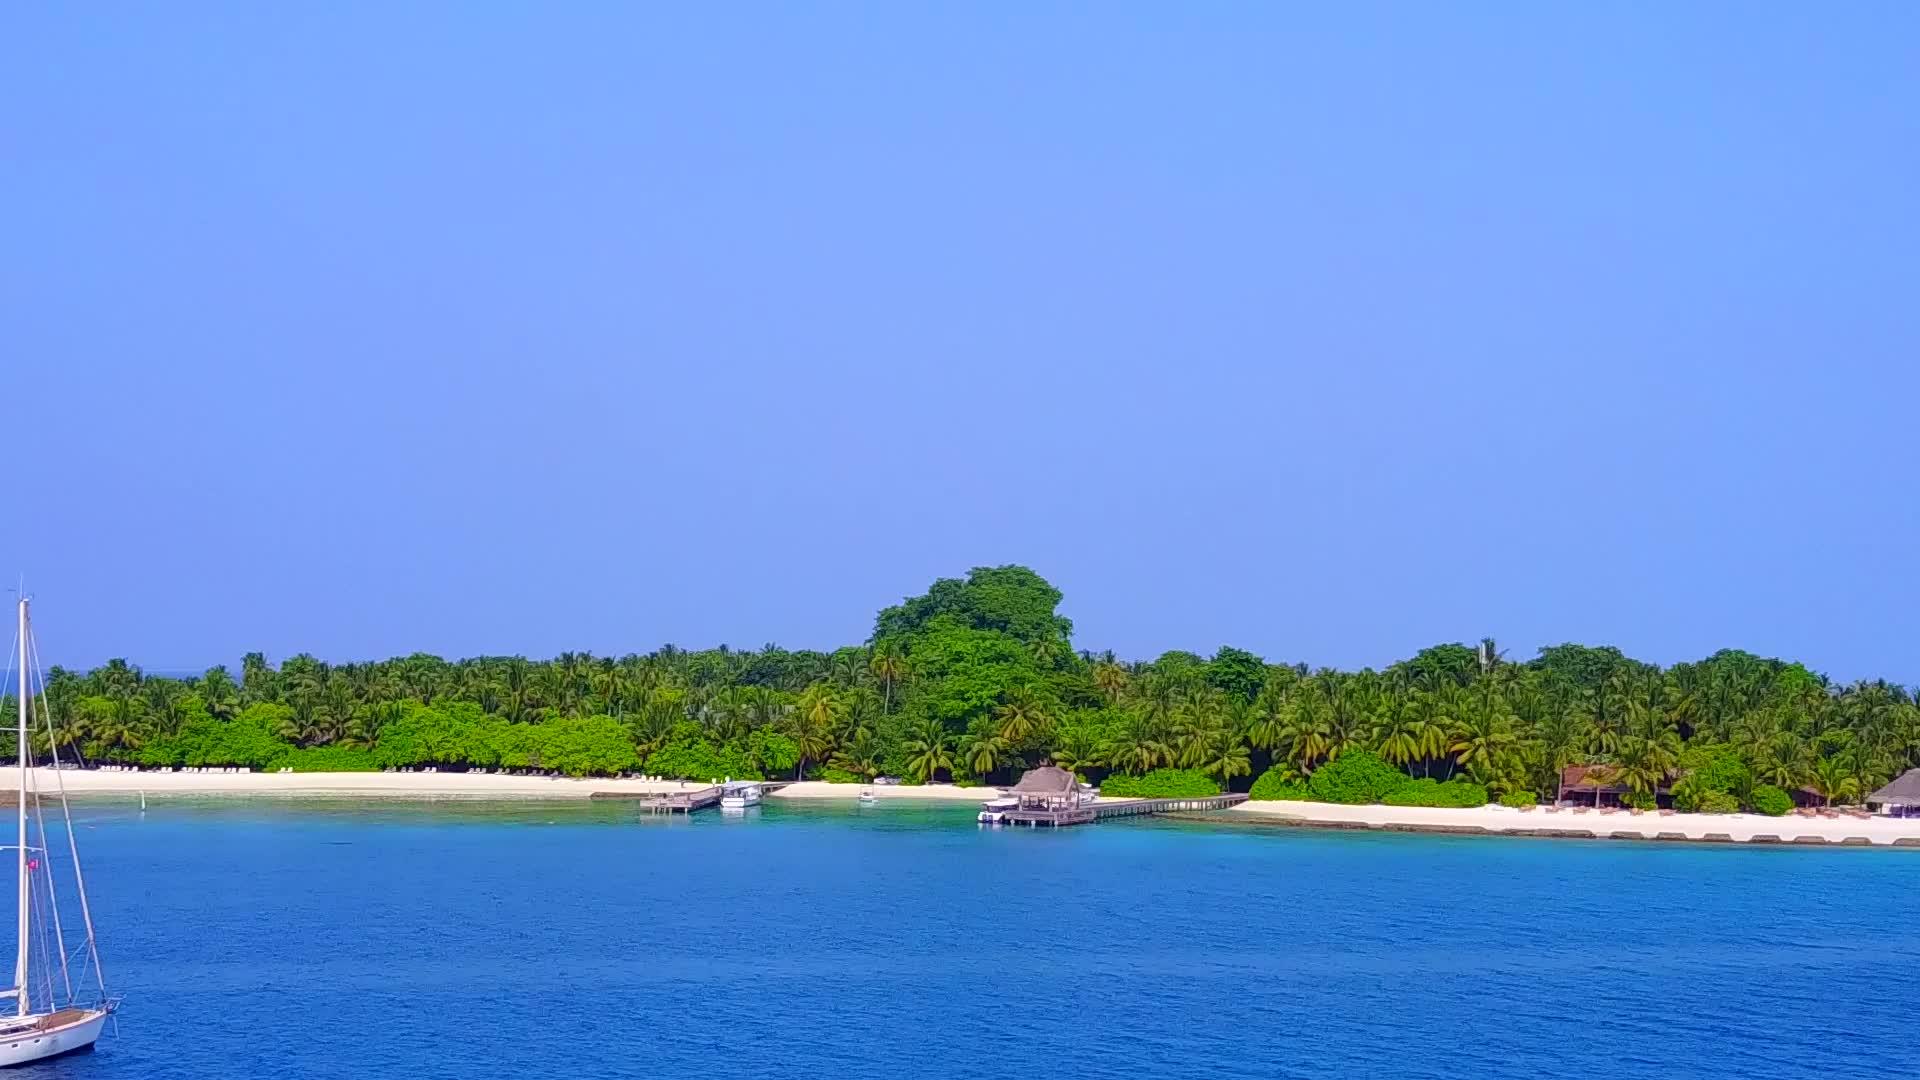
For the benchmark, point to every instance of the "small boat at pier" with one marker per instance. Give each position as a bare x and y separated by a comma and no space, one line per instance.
739,794
994,811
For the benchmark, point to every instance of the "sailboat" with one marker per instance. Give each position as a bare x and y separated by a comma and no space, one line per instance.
49,1018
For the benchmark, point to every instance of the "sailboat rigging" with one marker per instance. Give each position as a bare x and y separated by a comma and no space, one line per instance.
50,1018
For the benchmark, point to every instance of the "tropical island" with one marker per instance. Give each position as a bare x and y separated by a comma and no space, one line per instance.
977,680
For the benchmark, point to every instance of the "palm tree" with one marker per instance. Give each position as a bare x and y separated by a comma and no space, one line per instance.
812,742
860,710
813,722
820,707
219,694
1047,652
1267,726
1110,679
1020,715
860,756
1833,778
1137,747
1642,765
1557,735
1078,749
258,681
888,665
847,668
1306,731
111,733
766,707
928,750
1226,757
1785,761
1484,734
1399,733
982,753
1434,713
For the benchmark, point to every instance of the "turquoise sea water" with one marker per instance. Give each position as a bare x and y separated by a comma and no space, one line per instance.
267,940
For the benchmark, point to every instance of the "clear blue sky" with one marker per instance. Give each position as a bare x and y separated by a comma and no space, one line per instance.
1329,331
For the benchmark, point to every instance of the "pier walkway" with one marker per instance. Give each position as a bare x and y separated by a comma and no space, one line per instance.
1101,810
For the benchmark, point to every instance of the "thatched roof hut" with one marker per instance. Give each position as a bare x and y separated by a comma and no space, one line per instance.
1048,787
1900,796
1046,780
1589,782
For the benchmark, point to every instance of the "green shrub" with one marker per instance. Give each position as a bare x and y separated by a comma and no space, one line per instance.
1688,793
1429,792
689,756
1519,798
325,759
1712,767
1356,777
251,738
1716,802
1161,784
1272,787
840,776
1640,800
1770,800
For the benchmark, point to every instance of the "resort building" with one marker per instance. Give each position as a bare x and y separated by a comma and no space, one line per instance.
1047,788
1900,798
1590,785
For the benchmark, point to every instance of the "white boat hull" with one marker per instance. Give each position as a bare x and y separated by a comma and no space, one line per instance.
20,1047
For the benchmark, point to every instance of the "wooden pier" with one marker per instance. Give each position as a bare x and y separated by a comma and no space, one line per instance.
1101,810
681,802
688,800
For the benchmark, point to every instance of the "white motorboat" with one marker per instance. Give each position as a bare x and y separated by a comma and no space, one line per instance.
867,797
55,1010
994,811
739,794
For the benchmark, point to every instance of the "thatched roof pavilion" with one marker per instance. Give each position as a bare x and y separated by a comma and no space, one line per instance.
1048,787
1046,779
1589,783
1900,798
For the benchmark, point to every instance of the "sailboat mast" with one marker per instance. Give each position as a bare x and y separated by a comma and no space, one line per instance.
20,960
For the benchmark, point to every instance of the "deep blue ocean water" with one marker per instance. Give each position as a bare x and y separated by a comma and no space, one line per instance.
270,940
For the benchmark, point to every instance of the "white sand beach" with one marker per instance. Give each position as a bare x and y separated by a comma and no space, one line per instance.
85,783
1585,822
819,789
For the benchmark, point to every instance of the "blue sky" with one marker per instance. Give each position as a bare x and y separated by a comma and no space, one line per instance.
1329,331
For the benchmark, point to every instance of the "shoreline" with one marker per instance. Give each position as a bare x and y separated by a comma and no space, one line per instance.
1581,823
1571,823
94,783
820,789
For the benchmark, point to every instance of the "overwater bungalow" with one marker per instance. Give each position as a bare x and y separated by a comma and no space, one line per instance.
1899,799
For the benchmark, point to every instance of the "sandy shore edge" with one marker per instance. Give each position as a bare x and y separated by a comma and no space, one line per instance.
819,789
1564,822
1569,823
88,783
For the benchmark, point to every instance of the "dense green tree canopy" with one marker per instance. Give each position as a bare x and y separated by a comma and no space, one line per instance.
976,679
1010,600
